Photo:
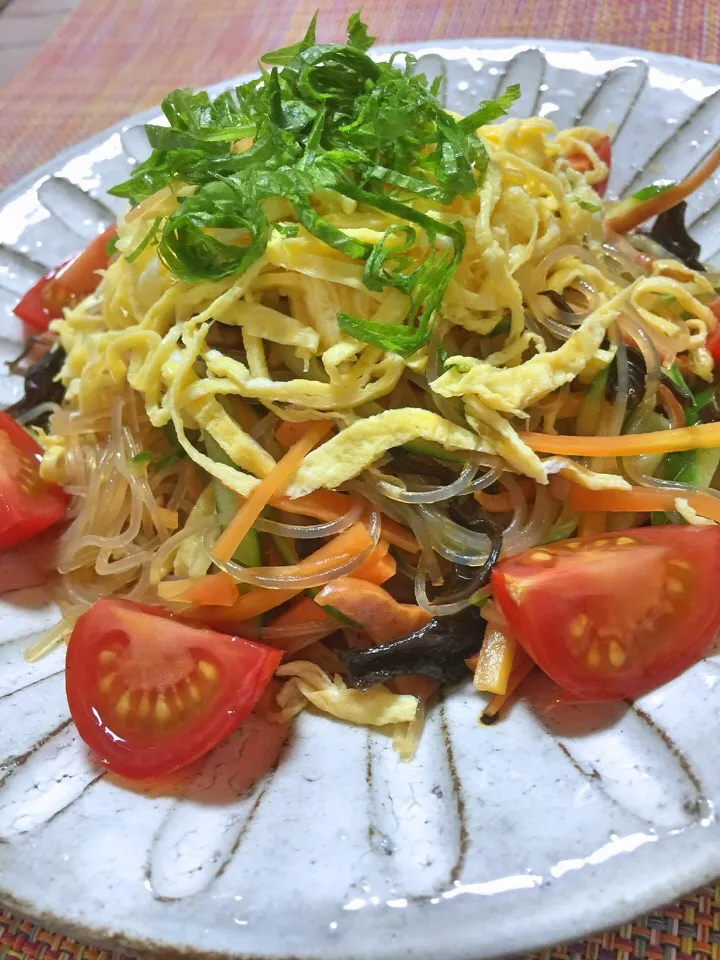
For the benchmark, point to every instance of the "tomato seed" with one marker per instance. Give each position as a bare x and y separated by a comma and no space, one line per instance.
209,671
540,556
122,707
616,654
162,710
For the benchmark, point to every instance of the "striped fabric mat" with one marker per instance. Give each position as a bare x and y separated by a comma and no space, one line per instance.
113,57
688,930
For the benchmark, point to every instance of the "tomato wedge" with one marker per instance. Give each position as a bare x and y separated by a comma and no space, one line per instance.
580,162
61,287
615,616
27,504
149,694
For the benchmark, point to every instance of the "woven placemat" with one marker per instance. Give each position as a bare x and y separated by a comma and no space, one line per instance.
687,930
114,57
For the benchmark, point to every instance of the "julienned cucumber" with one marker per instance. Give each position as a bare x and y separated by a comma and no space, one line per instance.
249,553
695,466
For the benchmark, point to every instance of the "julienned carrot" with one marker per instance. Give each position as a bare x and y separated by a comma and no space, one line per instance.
215,589
522,665
700,437
494,662
383,618
329,505
379,566
289,432
637,213
278,478
502,502
383,569
259,600
642,500
303,612
248,605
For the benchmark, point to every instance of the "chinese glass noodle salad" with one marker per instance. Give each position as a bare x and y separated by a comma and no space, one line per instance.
361,398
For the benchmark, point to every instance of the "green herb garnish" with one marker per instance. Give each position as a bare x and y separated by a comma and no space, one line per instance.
646,193
141,460
586,205
320,116
150,237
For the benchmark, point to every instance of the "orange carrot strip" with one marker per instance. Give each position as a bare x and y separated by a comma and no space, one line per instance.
493,668
494,502
261,599
699,437
325,505
303,612
640,212
382,617
329,505
642,500
502,502
247,606
383,569
289,432
215,589
278,478
522,665
379,566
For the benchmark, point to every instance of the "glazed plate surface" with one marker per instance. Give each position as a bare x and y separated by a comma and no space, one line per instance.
494,840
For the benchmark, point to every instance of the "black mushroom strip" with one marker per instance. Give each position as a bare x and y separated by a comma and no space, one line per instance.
670,232
637,373
437,650
41,385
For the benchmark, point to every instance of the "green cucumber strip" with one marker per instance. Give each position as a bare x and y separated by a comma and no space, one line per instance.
249,553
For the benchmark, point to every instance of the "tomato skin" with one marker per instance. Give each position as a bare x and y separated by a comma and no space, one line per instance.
713,340
149,694
71,281
28,504
578,161
615,616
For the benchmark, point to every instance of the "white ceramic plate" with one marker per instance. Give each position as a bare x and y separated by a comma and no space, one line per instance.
495,840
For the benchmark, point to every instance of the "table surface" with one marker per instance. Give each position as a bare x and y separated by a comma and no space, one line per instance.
25,25
97,37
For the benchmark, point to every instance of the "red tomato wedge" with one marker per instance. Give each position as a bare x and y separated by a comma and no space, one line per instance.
615,616
27,504
149,694
580,162
65,284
